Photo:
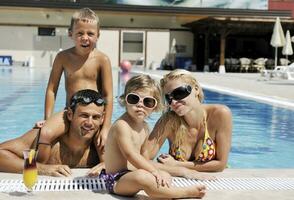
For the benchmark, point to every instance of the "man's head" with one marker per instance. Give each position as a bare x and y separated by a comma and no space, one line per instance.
86,112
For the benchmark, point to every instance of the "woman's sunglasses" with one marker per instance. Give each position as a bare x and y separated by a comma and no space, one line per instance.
148,102
178,94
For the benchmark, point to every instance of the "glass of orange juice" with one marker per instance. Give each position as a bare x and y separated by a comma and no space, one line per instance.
30,172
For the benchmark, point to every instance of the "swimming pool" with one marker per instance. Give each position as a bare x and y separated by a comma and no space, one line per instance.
263,135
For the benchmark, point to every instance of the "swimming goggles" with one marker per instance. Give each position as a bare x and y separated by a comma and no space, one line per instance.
148,102
99,101
178,94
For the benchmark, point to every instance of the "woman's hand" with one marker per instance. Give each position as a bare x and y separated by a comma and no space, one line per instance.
193,174
167,159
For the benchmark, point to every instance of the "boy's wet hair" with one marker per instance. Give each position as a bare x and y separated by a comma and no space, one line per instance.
143,83
85,15
85,97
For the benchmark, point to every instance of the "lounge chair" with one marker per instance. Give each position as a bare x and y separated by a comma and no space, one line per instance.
284,72
284,62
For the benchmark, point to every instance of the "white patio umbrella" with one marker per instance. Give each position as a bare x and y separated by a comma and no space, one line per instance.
278,38
173,46
287,48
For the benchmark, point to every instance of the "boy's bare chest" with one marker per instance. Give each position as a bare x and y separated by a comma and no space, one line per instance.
84,72
77,69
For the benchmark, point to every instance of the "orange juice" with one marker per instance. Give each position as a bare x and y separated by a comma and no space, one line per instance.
30,177
30,171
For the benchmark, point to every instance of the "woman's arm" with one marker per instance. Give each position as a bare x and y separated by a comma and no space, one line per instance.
156,139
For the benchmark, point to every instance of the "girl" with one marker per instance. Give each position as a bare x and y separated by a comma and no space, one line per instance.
126,170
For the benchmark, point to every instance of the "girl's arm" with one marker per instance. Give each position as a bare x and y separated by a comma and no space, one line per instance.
52,86
123,135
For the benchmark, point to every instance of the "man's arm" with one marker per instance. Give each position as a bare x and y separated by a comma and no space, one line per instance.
11,152
52,86
105,83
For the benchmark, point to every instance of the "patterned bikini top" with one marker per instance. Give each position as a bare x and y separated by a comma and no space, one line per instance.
207,153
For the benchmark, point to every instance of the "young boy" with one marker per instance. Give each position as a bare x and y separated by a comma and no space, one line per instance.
123,147
84,67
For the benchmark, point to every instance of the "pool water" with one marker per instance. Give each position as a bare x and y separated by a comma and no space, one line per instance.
263,135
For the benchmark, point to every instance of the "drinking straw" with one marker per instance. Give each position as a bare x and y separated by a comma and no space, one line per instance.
38,138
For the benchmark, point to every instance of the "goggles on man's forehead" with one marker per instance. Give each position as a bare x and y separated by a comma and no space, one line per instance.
86,100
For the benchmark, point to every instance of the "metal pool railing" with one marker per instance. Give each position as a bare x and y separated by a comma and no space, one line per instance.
96,184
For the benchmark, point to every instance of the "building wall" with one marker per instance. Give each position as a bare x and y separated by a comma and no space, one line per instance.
183,42
282,5
158,43
108,43
27,48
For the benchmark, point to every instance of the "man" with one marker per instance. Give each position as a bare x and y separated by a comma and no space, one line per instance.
74,148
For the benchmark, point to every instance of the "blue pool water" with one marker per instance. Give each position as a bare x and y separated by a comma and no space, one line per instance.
263,135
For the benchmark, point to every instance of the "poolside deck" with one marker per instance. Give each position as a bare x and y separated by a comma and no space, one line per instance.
210,195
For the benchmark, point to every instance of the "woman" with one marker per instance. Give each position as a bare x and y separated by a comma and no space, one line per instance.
199,134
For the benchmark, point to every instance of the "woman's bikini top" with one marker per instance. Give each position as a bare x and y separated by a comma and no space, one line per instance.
207,153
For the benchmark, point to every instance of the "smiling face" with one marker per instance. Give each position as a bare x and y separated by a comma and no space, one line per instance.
86,120
85,34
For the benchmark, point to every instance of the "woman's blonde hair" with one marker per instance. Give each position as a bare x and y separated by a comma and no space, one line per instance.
84,15
178,125
145,83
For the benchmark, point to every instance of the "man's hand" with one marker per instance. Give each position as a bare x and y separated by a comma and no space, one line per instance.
54,170
95,171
